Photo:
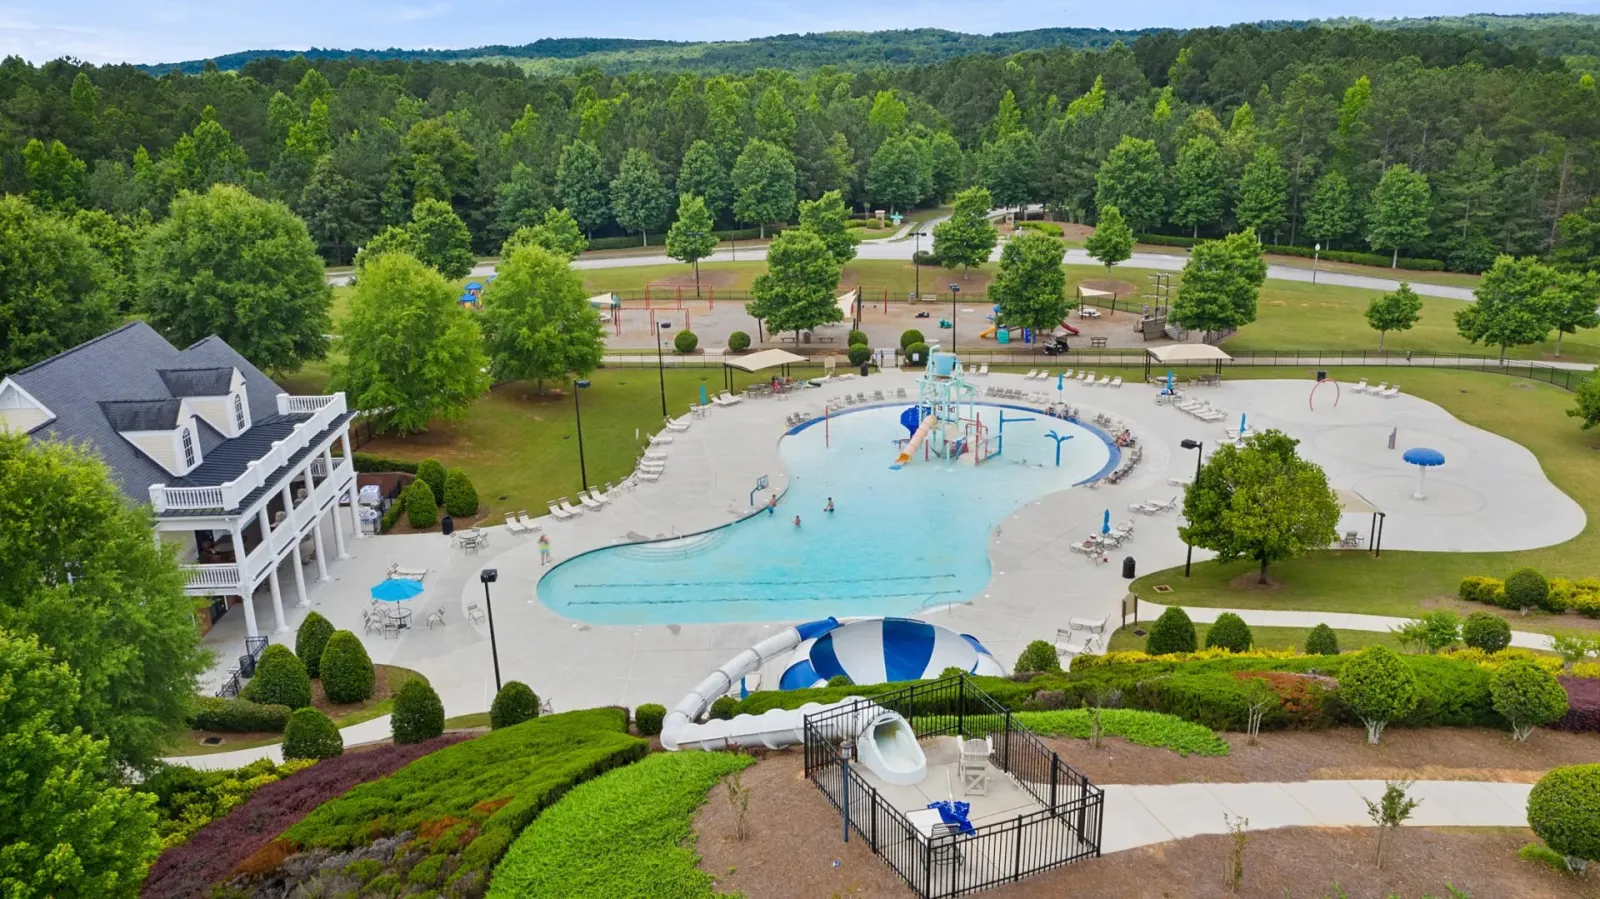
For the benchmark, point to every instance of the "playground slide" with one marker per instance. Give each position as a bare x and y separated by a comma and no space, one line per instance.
988,333
1067,323
916,441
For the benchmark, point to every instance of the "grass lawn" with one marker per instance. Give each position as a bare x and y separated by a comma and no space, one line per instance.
1449,279
1266,638
1404,583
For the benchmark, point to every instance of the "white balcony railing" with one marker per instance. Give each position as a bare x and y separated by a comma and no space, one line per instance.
323,410
212,577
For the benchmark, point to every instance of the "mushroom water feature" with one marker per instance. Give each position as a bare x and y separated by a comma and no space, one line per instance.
1424,459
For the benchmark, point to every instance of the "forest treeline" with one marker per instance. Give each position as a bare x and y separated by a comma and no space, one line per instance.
1442,145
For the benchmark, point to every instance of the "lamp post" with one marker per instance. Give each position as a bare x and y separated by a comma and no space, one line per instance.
915,265
1316,253
1197,446
954,289
661,370
489,576
577,410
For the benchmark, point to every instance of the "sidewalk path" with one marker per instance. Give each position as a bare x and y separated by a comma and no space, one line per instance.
366,732
1347,621
1143,815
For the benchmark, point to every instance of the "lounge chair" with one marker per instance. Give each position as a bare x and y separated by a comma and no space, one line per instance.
1029,376
1391,393
529,525
679,426
650,475
406,574
598,496
1117,381
1080,376
1361,386
660,440
1105,381
1165,506
558,513
983,370
1067,375
1382,386
1086,547
569,508
1142,508
515,525
655,455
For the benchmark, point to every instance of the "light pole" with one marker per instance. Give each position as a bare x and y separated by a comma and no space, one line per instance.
1316,253
1196,445
915,265
577,409
661,370
489,576
954,289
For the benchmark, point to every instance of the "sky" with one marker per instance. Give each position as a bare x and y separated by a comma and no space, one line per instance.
155,31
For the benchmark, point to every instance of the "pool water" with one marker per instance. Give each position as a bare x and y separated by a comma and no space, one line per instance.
897,542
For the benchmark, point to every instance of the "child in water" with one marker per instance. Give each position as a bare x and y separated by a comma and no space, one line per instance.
829,506
797,521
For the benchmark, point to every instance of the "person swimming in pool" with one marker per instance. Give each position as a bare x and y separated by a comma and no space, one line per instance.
772,504
797,521
829,506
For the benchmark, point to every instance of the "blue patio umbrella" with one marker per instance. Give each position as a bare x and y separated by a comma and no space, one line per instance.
1105,525
955,813
396,590
1170,379
1061,378
1424,458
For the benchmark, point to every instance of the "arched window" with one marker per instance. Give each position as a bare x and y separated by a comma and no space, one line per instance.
188,449
238,412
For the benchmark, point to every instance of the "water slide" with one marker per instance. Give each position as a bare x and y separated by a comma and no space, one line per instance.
916,440
988,333
1067,324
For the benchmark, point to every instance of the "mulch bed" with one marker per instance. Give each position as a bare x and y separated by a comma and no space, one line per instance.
216,849
1441,753
795,847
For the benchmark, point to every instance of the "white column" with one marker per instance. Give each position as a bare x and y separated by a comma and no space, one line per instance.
277,600
322,561
250,629
299,578
350,459
338,533
266,526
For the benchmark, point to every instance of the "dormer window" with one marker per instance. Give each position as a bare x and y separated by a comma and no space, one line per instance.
188,449
238,412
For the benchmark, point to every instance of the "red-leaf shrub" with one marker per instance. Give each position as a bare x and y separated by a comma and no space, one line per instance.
1583,705
218,848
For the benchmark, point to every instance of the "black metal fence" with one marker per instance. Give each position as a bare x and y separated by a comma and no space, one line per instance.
253,647
1066,828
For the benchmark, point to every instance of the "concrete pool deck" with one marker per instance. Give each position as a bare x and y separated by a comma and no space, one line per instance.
1490,496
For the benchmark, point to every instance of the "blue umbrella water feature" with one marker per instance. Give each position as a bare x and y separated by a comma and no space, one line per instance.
396,590
1424,458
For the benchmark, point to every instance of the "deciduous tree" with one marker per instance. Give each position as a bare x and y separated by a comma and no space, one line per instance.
1263,193
1112,240
242,268
1030,287
691,239
1220,283
894,179
967,237
537,323
1008,168
56,291
1401,204
1511,307
1398,310
441,239
703,175
1571,301
763,184
558,233
1331,214
796,292
639,200
1200,180
55,176
410,354
1133,179
1586,407
826,217
581,185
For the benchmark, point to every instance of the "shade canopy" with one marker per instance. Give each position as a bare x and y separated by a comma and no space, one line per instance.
605,301
1092,292
1188,352
1353,503
1423,456
847,302
396,590
764,359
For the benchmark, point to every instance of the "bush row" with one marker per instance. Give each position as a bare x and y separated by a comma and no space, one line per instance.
1050,228
368,463
638,819
189,798
1526,588
221,845
238,716
1374,259
656,239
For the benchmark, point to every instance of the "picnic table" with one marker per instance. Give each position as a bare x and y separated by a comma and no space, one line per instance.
1097,341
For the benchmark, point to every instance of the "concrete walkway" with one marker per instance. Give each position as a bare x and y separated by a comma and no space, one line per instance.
1140,815
1347,621
356,734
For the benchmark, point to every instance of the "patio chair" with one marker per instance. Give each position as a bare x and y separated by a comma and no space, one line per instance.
900,392
983,370
529,526
569,508
877,396
679,426
973,765
371,622
1117,381
408,574
474,613
559,513
1391,393
436,617
515,525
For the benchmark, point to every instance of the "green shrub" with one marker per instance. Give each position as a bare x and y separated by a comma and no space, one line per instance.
1450,693
951,671
1040,655
738,341
431,472
685,341
280,679
723,708
239,716
1050,228
1433,632
1587,604
917,352
421,510
1172,632
418,713
925,257
1564,810
390,516
910,336
1218,701
1229,632
1379,688
367,463
309,641
426,872
311,735
1544,855
858,353
857,338
840,680
1136,726
515,703
494,784
1559,599
1527,696
1322,641
639,819
1487,632
460,497
347,672
1527,589
648,717
1481,589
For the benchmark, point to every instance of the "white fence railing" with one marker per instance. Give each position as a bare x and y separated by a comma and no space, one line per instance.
212,577
323,410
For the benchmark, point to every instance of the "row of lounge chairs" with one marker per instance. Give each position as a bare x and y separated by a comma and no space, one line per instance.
522,523
1087,378
1200,409
1097,544
1151,507
1383,389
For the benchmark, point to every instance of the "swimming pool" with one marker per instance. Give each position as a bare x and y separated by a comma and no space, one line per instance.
898,541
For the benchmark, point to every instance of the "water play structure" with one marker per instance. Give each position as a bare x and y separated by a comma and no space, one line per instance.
945,421
868,650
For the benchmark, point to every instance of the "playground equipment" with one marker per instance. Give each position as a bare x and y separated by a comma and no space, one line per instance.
945,421
989,332
1424,458
884,650
1066,324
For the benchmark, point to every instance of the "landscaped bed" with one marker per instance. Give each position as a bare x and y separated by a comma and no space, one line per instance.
446,819
621,835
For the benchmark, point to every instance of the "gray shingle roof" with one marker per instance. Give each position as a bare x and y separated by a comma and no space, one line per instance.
142,415
182,382
126,364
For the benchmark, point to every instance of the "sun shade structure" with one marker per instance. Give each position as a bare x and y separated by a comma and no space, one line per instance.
1424,458
756,362
396,590
1353,503
1185,354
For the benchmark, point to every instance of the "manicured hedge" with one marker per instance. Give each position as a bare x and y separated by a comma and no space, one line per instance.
1583,706
515,703
1374,259
421,511
431,472
311,735
367,463
215,850
239,716
1144,728
460,497
280,679
347,672
738,341
480,794
1050,228
648,717
310,639
418,713
1564,810
628,833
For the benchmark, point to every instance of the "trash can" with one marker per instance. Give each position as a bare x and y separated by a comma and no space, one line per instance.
805,336
447,525
863,369
247,666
